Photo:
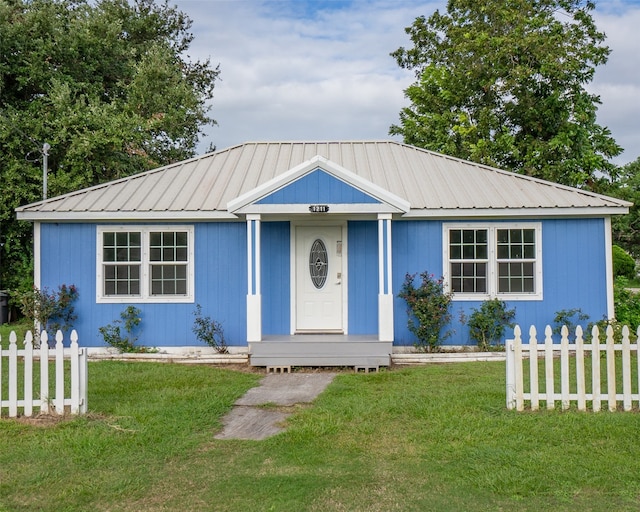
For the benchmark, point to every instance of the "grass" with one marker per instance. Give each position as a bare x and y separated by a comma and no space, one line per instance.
436,437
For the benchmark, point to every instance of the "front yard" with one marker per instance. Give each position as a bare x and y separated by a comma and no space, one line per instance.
436,437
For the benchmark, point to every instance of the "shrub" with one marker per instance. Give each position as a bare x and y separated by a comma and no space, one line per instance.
428,309
626,303
209,331
487,324
569,317
124,341
623,264
52,310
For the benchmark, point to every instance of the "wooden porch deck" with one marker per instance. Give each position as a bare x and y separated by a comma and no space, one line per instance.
320,350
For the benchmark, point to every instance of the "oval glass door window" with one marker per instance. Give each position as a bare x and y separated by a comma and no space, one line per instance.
318,264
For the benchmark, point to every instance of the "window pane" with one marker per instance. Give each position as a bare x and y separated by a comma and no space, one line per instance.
481,252
468,252
455,236
155,239
455,252
181,254
468,236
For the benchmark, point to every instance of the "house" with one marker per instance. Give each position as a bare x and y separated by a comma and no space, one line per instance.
299,249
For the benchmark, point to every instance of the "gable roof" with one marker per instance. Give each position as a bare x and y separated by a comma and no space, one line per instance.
431,184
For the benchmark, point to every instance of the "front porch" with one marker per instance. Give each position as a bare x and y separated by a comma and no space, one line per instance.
320,350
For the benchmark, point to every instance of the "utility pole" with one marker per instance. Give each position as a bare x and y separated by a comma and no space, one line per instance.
45,168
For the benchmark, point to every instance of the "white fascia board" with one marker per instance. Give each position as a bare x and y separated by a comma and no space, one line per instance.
124,216
328,166
304,208
515,212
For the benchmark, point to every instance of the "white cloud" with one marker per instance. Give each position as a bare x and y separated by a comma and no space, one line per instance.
288,76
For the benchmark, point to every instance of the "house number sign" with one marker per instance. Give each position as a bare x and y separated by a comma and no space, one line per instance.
319,208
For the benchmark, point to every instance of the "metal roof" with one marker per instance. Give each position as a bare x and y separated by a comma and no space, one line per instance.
433,184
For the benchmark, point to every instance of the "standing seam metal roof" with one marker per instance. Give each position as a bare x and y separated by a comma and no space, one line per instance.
427,180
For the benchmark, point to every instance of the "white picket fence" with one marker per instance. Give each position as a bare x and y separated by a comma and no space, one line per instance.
29,356
572,389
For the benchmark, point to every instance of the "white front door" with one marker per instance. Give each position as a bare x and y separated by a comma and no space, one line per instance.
319,273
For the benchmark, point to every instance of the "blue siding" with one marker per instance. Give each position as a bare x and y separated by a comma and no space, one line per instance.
220,284
574,256
363,277
318,187
417,247
573,259
276,277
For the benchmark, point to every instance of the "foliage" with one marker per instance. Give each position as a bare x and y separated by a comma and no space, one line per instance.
120,334
503,84
626,303
569,317
623,264
209,331
51,310
428,309
107,84
626,228
487,323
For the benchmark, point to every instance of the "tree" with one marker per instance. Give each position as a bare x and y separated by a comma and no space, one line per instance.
626,228
502,83
107,84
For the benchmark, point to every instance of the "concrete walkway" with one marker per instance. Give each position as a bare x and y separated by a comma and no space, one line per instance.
250,419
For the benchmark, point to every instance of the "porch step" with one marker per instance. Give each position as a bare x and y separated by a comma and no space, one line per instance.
361,354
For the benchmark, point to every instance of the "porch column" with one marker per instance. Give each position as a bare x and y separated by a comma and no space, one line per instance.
254,297
385,287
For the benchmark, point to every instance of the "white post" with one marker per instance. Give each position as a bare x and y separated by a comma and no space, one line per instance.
385,285
59,400
13,375
28,375
44,373
254,297
511,378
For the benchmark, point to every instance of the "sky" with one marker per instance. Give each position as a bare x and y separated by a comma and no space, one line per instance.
320,70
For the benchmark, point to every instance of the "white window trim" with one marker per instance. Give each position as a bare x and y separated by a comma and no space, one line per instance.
492,265
145,296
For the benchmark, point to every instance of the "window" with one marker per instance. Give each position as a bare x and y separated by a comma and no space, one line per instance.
494,260
145,264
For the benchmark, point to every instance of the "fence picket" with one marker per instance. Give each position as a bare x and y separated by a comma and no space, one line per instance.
580,382
28,375
638,360
518,367
44,373
533,369
626,369
548,362
59,400
596,389
13,374
27,355
564,367
611,370
75,375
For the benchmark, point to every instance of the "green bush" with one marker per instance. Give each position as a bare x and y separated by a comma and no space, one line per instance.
571,318
52,310
623,264
209,331
428,309
487,324
122,337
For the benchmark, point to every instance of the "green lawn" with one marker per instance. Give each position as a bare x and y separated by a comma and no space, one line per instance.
436,437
